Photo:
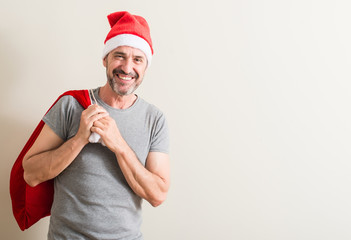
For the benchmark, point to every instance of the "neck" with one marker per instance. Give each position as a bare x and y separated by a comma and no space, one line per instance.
115,100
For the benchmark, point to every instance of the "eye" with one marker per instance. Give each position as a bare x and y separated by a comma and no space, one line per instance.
118,56
139,60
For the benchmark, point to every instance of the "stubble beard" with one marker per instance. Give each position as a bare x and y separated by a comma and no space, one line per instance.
113,82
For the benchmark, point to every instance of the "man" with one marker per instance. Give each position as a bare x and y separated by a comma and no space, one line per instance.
99,187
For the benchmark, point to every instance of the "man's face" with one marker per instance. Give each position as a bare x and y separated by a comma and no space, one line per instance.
125,69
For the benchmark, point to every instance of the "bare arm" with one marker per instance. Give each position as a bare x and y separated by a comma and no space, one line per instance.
50,155
150,182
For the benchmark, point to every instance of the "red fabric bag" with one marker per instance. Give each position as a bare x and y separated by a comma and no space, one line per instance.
30,204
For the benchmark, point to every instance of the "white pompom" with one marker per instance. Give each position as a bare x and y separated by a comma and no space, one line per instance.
96,138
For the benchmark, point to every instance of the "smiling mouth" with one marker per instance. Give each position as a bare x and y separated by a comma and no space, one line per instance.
120,74
125,78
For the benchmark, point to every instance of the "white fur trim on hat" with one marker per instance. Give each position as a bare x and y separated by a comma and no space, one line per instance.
128,40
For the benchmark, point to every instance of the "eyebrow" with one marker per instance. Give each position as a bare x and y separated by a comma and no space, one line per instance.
124,54
119,53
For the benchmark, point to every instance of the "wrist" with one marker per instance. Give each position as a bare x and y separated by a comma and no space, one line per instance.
80,140
120,148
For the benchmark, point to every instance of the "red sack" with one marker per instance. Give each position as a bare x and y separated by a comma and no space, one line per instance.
30,204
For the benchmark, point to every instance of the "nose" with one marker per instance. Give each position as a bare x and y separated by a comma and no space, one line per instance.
127,66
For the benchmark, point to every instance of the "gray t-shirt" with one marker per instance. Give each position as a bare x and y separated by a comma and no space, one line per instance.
92,199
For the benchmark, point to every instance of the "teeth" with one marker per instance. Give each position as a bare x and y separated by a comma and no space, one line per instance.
125,78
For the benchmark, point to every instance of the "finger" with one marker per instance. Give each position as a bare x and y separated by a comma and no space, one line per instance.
97,130
98,116
93,110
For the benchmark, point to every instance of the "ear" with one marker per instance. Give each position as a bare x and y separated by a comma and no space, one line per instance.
104,61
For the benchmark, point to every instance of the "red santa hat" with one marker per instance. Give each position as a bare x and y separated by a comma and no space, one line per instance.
128,30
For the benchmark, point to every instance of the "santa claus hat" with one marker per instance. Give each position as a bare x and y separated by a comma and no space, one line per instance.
128,30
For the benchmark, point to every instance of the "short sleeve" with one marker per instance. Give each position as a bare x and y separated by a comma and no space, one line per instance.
59,118
160,135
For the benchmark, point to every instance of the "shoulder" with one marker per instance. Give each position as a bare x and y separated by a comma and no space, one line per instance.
66,101
73,99
150,109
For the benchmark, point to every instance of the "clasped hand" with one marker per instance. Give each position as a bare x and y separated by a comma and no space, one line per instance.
95,119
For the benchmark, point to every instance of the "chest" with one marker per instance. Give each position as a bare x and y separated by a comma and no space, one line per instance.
136,130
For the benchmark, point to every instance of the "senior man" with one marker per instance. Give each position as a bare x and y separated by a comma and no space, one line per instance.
99,184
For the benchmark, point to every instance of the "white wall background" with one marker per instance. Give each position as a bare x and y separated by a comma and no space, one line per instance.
257,95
